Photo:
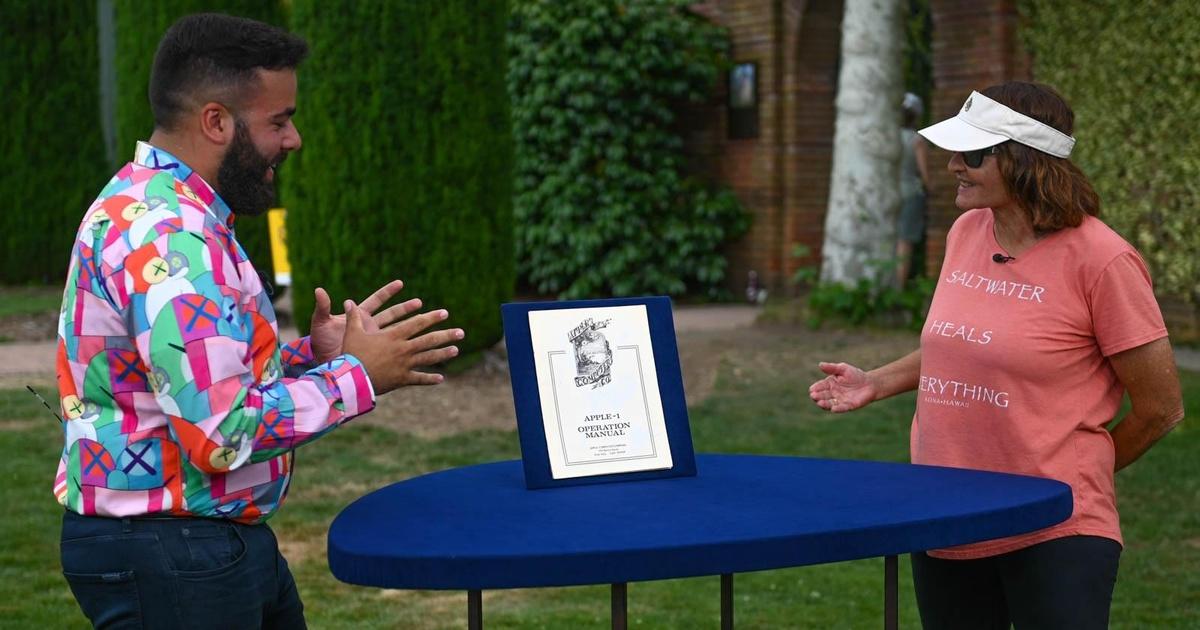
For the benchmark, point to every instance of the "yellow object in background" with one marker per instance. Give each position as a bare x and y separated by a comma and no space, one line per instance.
277,225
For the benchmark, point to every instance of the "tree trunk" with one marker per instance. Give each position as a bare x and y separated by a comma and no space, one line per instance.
864,195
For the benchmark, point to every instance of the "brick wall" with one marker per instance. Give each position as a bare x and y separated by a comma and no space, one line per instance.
815,47
782,176
975,45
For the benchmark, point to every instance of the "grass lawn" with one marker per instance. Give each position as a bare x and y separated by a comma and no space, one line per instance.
32,300
758,411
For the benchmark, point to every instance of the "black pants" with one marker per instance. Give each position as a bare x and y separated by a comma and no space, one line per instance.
1061,583
178,573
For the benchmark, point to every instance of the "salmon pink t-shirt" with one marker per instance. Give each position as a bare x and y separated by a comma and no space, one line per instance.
1014,370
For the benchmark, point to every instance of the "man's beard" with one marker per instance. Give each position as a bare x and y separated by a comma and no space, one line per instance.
240,176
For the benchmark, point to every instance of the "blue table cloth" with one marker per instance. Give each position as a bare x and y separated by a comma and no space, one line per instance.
478,527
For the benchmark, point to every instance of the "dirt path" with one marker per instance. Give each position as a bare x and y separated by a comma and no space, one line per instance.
713,341
709,338
26,362
482,397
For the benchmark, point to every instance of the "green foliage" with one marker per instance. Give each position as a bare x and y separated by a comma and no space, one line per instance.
601,202
139,27
51,148
918,53
31,301
406,169
868,301
1129,70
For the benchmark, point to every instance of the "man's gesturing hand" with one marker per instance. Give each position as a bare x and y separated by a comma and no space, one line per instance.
846,388
392,354
328,329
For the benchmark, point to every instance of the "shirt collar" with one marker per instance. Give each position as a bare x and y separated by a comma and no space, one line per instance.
150,156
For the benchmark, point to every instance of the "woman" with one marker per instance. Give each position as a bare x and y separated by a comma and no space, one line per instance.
1042,318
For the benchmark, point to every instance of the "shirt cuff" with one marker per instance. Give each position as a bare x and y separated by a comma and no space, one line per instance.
357,393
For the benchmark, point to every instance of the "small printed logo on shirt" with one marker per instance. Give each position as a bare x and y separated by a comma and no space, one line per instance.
134,210
98,217
156,270
222,457
72,406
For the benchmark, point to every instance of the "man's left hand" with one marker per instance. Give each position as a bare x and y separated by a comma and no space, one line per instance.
327,329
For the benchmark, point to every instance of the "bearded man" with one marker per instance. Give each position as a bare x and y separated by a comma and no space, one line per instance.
182,409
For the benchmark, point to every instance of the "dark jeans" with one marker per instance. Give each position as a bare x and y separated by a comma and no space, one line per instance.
178,573
1061,583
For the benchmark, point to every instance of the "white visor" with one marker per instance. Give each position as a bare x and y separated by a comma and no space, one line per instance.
983,122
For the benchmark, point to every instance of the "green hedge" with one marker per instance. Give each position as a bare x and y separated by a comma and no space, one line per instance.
51,148
1131,71
407,162
140,24
602,204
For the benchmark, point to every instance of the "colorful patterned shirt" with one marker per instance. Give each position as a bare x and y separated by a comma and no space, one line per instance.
170,373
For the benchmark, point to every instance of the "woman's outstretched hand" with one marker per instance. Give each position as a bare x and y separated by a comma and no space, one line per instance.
846,388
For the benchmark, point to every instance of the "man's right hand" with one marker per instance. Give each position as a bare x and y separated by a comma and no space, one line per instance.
393,354
846,388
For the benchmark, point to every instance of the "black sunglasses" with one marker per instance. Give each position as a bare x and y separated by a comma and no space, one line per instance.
974,159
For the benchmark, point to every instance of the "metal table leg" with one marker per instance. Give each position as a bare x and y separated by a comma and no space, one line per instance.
475,610
726,601
891,595
620,606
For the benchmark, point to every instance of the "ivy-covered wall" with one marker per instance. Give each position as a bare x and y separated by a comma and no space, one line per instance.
407,163
140,24
1131,72
51,147
602,203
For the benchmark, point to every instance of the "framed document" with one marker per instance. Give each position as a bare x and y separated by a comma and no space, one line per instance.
598,391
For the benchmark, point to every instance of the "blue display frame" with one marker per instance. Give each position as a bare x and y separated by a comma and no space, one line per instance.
527,401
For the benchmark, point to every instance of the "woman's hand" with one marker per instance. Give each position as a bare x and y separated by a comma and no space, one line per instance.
1156,400
845,389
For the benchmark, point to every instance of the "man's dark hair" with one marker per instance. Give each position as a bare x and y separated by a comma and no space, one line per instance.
210,56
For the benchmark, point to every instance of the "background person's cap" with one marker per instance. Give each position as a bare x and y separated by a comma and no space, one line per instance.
983,122
913,103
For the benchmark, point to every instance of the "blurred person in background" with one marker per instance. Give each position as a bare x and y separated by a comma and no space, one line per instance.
914,182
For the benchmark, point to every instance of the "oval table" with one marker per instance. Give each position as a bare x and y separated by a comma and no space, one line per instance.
478,527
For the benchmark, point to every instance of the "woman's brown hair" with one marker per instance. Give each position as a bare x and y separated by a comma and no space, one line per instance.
1052,190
